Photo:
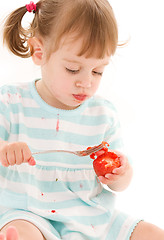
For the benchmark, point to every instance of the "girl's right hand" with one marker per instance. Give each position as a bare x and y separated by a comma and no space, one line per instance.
15,153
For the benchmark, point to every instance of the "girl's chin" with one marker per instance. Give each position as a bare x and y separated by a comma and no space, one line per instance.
76,105
70,107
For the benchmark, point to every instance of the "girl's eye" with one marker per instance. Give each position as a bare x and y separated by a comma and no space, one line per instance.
98,73
72,71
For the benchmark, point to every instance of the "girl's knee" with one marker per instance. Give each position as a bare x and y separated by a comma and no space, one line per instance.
25,229
144,231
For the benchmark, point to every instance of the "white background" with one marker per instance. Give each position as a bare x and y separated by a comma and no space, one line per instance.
134,83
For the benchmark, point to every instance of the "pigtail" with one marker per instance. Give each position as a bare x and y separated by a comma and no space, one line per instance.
94,21
14,35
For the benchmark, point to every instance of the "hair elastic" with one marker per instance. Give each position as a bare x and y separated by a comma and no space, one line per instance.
31,7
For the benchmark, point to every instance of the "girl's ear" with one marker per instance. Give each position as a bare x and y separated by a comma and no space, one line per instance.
37,49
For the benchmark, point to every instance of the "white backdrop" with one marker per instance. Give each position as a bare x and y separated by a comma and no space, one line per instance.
134,83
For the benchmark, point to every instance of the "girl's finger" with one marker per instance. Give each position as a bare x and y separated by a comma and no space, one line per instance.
119,170
18,155
26,153
11,233
11,157
4,160
103,180
2,236
32,161
109,178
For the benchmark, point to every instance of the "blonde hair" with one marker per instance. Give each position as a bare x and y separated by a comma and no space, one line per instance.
93,20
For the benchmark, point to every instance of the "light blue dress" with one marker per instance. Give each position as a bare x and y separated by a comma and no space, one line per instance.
60,194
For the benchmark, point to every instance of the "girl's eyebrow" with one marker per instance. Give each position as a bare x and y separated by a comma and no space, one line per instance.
74,61
69,60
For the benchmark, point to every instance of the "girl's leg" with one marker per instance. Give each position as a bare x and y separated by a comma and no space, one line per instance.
147,231
20,230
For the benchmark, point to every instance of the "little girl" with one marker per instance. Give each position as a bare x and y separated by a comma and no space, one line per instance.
60,197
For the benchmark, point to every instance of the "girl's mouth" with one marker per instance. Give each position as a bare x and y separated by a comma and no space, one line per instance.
80,97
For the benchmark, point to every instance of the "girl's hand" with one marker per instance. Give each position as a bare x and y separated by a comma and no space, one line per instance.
117,173
15,153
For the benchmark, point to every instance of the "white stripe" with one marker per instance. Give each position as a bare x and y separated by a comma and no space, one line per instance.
99,110
64,165
29,102
82,211
16,98
73,236
73,211
66,126
90,231
51,197
54,175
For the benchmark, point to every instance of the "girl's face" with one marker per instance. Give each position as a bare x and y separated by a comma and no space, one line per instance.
67,79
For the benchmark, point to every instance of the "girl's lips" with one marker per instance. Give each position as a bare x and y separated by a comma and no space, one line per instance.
80,97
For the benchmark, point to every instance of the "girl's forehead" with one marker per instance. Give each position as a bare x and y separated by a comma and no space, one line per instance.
72,45
68,43
69,53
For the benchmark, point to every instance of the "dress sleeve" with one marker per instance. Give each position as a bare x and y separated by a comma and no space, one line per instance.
113,133
4,114
113,130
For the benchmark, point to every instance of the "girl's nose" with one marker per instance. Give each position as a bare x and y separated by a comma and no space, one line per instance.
85,82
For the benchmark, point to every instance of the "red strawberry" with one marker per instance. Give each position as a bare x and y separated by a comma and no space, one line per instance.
105,163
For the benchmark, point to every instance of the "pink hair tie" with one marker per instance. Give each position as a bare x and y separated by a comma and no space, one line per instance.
31,7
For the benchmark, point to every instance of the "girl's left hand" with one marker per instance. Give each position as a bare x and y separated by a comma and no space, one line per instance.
117,172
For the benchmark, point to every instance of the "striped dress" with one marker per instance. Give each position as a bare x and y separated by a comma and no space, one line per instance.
60,194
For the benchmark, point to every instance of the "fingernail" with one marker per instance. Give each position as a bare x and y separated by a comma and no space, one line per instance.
32,161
